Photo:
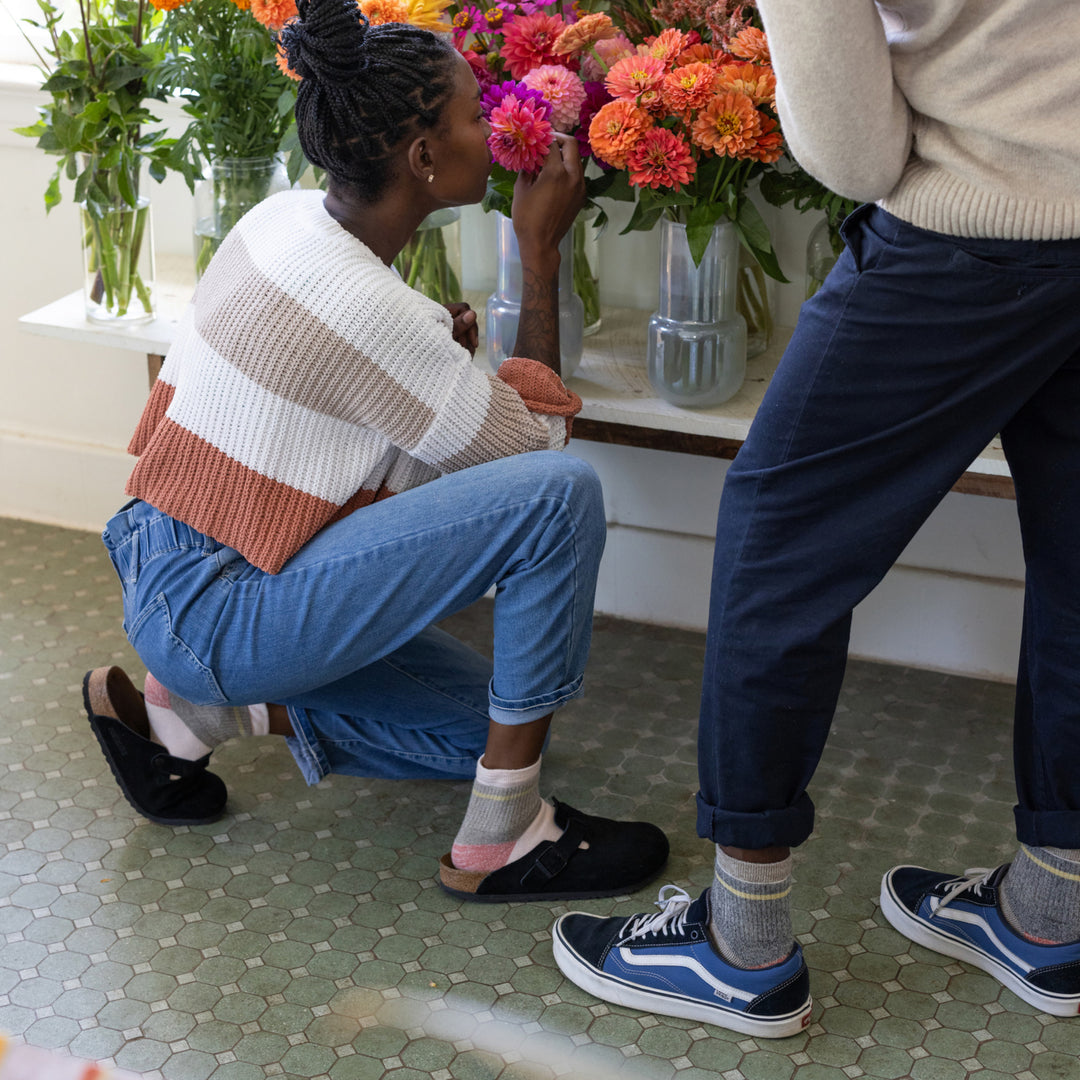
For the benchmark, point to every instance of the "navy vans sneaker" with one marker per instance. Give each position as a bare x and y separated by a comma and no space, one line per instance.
961,917
664,963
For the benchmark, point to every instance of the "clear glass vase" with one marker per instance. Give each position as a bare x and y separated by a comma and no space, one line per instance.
823,248
431,261
118,262
228,190
587,269
752,303
504,305
696,349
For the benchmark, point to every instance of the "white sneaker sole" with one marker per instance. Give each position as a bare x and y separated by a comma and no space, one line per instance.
654,1001
923,933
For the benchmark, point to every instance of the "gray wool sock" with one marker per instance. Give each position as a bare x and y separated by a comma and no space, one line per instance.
750,911
190,731
1040,894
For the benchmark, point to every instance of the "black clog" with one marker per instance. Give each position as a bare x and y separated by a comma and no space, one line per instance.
622,856
166,789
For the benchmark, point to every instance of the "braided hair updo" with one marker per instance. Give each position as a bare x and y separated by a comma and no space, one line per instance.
363,88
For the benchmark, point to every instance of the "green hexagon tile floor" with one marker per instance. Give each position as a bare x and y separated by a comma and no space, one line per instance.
303,935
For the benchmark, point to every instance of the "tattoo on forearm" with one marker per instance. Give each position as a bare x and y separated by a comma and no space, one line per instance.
538,326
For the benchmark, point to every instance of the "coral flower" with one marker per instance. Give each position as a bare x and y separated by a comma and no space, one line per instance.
660,159
689,87
169,5
702,53
528,42
729,125
769,146
665,46
615,129
521,134
588,30
243,5
757,82
382,11
273,13
561,89
750,44
637,79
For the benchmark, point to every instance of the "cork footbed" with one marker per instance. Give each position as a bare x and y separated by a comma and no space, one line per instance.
459,880
110,692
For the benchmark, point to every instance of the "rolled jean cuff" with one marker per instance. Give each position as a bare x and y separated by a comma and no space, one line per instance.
787,827
1047,828
525,710
304,744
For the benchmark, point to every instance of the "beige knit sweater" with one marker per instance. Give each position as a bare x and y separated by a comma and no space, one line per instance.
959,116
307,379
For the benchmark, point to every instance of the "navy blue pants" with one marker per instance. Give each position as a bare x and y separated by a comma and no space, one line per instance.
917,351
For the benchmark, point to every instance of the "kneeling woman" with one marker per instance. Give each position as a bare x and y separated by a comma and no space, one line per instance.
262,558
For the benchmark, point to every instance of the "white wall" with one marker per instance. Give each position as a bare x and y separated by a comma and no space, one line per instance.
952,604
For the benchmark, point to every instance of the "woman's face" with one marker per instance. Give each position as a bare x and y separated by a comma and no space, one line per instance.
459,144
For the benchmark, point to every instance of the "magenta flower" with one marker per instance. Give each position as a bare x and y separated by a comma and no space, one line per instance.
497,92
521,133
468,20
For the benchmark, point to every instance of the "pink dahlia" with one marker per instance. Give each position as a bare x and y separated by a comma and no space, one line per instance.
608,50
521,134
528,42
562,89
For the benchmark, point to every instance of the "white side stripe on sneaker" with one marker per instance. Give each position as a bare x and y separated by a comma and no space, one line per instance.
656,959
954,915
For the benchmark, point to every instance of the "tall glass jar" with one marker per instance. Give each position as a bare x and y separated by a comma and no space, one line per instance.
118,262
696,349
431,261
228,190
504,305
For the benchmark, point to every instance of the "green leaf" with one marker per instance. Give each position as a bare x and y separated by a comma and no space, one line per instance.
127,188
67,129
642,219
121,76
52,191
33,131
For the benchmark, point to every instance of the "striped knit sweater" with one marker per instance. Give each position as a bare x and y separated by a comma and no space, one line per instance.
306,380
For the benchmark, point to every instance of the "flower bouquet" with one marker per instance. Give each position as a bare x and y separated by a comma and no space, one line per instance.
528,59
98,76
223,62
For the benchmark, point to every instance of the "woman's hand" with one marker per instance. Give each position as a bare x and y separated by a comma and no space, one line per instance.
546,204
466,329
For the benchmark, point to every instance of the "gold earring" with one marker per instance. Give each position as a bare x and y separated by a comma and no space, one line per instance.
431,178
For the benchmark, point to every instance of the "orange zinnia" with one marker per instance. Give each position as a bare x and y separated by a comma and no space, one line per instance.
614,130
665,46
273,13
769,146
729,125
660,159
750,44
703,53
243,5
637,79
383,11
687,88
168,5
587,31
757,82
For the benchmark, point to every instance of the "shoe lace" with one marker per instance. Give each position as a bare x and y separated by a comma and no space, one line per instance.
974,878
671,918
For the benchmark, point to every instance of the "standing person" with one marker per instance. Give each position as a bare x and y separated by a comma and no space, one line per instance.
262,558
953,314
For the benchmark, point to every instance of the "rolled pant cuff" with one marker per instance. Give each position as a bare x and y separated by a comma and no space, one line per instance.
305,748
1047,828
787,827
525,710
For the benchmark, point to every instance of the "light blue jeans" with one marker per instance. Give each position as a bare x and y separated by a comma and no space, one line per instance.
343,635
